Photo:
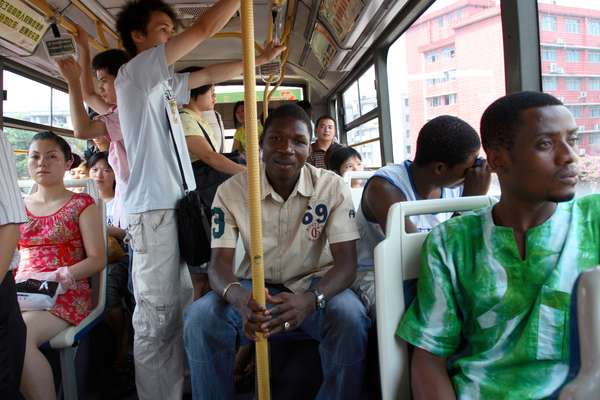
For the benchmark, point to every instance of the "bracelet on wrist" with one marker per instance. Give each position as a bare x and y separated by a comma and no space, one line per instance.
229,286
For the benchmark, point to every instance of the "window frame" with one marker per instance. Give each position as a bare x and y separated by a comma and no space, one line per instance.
31,74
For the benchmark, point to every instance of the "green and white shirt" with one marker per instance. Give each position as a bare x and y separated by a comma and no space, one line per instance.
503,320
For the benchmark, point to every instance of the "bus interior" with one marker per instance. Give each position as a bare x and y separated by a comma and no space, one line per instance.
382,68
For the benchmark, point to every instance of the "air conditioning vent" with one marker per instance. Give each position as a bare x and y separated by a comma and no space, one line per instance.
554,68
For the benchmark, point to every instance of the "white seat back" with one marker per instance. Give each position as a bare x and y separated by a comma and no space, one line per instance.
396,260
357,192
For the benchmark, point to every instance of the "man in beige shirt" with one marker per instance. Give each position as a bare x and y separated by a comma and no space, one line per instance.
309,236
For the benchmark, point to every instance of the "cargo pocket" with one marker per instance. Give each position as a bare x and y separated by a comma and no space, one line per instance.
155,320
552,325
135,229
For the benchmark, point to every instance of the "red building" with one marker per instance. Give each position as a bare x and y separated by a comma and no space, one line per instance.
456,64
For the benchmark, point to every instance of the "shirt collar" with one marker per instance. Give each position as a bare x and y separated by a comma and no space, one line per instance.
304,186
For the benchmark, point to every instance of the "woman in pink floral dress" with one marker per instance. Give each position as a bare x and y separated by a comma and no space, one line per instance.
63,236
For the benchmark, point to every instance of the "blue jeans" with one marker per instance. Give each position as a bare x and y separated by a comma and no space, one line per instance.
212,331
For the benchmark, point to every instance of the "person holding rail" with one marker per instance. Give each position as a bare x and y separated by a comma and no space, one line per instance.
309,239
148,93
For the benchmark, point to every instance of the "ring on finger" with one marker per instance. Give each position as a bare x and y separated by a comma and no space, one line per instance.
286,326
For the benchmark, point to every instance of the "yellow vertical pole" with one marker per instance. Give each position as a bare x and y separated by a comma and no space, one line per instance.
256,246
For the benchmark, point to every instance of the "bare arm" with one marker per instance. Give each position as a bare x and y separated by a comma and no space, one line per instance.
9,236
198,146
209,23
220,273
90,96
343,273
477,180
90,225
217,73
377,199
116,232
429,377
83,126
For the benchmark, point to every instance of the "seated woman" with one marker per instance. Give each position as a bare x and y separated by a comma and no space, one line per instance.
118,260
63,235
344,159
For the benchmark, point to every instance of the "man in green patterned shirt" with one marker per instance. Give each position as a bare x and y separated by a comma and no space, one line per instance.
490,319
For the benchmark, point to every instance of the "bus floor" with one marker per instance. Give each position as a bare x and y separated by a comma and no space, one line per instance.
294,365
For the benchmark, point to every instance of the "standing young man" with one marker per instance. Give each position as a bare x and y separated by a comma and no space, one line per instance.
148,92
495,285
12,327
325,143
309,239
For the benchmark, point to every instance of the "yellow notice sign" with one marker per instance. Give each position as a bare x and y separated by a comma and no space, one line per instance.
21,25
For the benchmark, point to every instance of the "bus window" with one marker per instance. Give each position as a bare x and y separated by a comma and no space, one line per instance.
360,101
434,70
570,65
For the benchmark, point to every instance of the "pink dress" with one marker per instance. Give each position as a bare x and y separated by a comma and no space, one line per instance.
53,241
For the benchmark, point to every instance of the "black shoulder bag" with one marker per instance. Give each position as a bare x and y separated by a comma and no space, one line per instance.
193,221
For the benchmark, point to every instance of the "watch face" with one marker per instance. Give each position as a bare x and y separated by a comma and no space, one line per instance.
322,302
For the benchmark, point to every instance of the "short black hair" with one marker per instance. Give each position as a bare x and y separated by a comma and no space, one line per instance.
446,139
340,156
198,91
62,143
288,111
110,61
98,156
500,120
135,16
237,105
76,160
322,117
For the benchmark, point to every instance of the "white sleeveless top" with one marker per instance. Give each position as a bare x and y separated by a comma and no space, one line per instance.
398,175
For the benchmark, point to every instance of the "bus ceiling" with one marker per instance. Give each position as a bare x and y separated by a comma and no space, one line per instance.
326,37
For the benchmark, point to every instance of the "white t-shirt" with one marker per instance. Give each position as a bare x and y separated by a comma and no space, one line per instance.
12,208
154,179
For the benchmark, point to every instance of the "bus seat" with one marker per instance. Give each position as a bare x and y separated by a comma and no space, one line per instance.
397,261
356,192
585,339
66,341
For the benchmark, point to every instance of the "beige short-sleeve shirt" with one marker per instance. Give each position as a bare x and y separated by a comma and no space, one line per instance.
296,232
191,121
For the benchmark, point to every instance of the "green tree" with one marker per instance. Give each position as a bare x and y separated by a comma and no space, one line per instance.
20,139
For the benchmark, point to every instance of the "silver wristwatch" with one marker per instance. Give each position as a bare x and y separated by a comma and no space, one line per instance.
320,299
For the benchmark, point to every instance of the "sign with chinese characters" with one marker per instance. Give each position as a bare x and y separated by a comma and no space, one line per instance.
323,45
341,15
21,26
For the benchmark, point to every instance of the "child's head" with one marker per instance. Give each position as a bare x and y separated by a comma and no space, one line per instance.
106,65
345,159
101,171
143,24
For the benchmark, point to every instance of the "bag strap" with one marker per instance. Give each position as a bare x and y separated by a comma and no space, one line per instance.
220,122
203,131
185,186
